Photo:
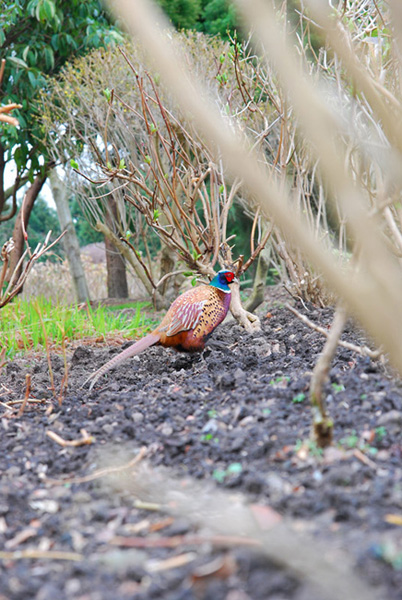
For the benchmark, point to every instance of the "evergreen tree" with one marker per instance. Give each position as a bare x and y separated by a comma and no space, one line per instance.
218,17
184,14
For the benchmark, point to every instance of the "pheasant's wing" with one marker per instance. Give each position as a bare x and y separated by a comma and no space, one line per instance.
185,317
185,312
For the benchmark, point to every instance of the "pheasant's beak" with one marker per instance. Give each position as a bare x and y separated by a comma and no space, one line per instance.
235,280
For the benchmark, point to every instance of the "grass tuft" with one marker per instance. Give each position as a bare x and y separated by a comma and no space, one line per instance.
26,325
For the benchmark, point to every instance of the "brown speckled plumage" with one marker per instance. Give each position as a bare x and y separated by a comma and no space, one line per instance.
192,318
188,323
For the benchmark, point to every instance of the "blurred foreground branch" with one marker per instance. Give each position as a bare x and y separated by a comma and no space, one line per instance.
229,517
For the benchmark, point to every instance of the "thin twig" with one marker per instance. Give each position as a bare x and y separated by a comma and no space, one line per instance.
363,350
101,472
85,440
27,392
177,541
40,554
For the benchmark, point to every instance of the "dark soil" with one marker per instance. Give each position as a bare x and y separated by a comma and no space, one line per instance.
238,419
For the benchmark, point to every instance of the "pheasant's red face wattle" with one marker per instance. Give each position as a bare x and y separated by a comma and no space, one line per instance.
229,276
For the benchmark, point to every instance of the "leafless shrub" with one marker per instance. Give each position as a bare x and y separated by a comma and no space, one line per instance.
22,269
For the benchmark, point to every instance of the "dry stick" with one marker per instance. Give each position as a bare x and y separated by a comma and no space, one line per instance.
27,392
14,286
177,541
64,380
322,424
257,251
2,67
85,440
101,472
363,350
29,401
252,234
48,554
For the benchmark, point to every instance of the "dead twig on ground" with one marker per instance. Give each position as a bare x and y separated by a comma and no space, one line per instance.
362,350
83,441
27,392
101,472
40,554
177,541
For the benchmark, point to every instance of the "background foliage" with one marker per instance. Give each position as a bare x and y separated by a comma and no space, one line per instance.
37,37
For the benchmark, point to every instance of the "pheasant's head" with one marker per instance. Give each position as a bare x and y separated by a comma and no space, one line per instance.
223,279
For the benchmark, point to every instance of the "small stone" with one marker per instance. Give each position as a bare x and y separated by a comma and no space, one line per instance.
247,421
82,497
166,430
137,417
239,375
211,426
393,417
72,587
13,471
108,428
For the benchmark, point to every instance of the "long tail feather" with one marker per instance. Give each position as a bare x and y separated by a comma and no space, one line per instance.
145,342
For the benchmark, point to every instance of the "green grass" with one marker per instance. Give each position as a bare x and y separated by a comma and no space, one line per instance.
25,325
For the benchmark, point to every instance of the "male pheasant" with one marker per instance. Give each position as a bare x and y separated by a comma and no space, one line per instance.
188,323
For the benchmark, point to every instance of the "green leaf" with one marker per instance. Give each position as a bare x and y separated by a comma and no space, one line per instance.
73,164
219,475
49,58
299,398
32,79
49,9
25,53
107,94
122,164
147,159
31,7
55,41
17,61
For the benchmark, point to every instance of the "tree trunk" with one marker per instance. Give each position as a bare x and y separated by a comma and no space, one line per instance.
23,218
117,286
133,261
70,241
